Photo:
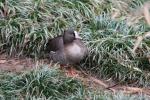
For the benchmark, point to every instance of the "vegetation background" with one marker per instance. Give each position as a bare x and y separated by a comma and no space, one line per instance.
110,29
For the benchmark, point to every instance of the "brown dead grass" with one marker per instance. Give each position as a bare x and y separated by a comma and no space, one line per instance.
146,13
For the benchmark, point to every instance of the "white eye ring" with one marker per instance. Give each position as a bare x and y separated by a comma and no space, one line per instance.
77,35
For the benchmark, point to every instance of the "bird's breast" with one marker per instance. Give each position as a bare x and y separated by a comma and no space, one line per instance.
74,50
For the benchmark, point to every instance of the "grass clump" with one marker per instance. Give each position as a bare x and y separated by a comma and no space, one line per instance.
25,27
51,84
28,24
111,43
42,82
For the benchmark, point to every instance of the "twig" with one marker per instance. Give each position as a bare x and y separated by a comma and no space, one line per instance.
147,34
101,83
137,43
134,90
146,12
139,40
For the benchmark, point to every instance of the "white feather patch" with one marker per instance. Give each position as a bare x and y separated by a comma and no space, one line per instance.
77,35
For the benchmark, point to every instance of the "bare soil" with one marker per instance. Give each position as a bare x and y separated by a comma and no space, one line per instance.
18,64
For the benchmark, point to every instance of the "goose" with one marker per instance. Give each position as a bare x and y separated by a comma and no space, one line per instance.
67,49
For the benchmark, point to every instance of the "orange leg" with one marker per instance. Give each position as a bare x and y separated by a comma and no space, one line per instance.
62,66
71,72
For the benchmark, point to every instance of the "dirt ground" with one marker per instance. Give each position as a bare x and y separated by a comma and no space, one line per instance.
15,64
18,64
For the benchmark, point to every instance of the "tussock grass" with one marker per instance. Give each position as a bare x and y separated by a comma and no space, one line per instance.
41,82
37,21
51,84
28,24
111,43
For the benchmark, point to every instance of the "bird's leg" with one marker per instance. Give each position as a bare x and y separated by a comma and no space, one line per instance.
62,67
72,72
69,70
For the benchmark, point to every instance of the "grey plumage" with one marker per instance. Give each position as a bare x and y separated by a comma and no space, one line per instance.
66,48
